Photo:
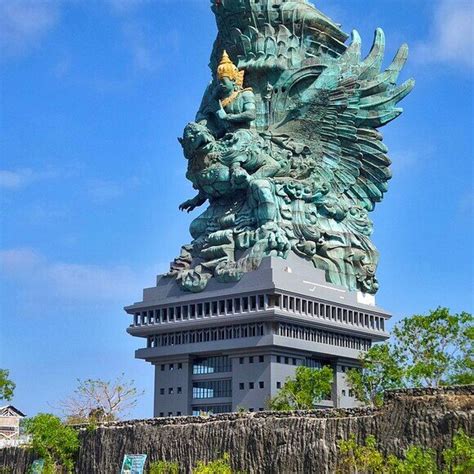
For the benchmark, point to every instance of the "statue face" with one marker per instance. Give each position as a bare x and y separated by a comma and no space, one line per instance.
227,86
195,136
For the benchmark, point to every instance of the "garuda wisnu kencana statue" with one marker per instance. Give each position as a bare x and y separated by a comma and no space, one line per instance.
285,147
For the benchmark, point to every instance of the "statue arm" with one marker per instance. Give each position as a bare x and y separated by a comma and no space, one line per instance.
191,204
247,115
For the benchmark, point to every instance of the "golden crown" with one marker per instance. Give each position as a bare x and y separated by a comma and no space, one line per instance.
228,69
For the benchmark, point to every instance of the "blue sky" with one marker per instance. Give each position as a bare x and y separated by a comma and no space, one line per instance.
93,96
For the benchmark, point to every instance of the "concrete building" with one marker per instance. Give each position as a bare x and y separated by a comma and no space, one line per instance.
233,345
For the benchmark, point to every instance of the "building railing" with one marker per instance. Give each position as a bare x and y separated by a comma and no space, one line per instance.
259,303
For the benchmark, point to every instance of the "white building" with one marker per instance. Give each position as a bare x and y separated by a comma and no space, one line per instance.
10,422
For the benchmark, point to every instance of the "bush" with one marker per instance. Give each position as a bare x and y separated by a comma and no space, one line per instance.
219,466
164,467
367,459
56,443
459,459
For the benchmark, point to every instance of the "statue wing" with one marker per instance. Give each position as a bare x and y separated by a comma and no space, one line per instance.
336,109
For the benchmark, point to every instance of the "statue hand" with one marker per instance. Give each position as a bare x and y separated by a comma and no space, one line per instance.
221,113
188,205
239,177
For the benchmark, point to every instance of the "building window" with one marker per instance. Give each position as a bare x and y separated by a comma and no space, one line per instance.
178,413
162,391
253,303
351,392
170,391
251,384
278,384
212,365
250,360
278,359
170,413
162,366
343,393
294,361
212,389
261,384
261,358
241,360
211,409
161,413
179,390
251,410
241,386
180,365
171,366
287,360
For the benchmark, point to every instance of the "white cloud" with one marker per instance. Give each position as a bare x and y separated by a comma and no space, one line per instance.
408,159
23,23
19,178
124,6
142,47
45,280
452,35
466,203
102,190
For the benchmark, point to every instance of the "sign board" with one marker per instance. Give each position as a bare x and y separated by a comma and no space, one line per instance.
37,467
133,464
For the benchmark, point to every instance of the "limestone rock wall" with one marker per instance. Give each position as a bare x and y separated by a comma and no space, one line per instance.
266,442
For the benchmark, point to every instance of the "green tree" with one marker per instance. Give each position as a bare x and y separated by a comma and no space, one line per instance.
416,461
164,467
436,348
309,387
355,458
53,441
219,466
459,459
380,370
462,372
359,458
99,400
7,387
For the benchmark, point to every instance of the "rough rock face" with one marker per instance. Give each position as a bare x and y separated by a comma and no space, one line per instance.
267,442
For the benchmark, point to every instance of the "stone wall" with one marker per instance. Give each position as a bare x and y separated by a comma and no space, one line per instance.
267,442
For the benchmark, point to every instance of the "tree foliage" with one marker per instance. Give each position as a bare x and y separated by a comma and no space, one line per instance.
355,458
365,458
426,351
53,441
459,459
219,466
303,392
163,467
436,348
416,461
380,370
7,387
99,400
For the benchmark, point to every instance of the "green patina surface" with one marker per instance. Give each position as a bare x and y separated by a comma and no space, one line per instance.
291,159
